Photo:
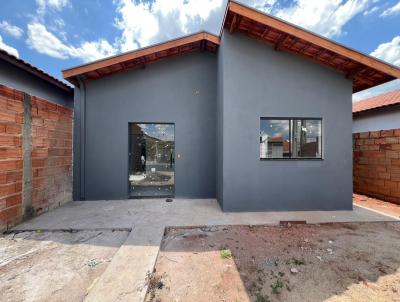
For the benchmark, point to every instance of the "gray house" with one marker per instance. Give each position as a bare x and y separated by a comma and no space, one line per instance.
258,117
381,112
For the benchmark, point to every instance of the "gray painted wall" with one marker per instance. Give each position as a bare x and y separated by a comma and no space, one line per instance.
260,82
381,119
19,79
181,91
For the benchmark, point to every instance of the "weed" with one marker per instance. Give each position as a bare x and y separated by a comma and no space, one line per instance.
226,254
298,261
281,274
277,287
261,298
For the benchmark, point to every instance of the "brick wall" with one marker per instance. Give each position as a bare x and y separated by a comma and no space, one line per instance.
51,155
11,122
35,156
376,167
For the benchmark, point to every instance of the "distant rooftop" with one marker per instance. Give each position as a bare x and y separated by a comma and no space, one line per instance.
33,70
379,101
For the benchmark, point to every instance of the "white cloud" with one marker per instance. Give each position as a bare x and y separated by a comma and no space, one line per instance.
391,11
10,29
371,11
45,42
11,50
326,17
43,5
389,52
137,23
143,23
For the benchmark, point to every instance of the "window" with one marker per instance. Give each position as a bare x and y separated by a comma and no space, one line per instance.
290,138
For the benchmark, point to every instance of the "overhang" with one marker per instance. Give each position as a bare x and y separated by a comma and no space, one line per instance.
202,41
364,70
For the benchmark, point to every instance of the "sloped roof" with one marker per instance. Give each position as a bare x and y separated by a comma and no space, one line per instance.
379,101
33,70
202,41
364,70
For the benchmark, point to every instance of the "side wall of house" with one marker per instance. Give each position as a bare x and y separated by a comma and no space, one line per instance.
12,76
260,82
376,165
379,119
181,90
35,156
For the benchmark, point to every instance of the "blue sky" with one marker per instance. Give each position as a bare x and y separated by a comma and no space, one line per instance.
58,34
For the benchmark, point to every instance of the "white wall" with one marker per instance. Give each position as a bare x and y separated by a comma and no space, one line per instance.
385,119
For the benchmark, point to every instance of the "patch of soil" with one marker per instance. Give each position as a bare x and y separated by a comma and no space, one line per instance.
54,266
377,205
328,262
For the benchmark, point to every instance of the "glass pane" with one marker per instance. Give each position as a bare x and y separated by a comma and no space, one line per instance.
151,160
274,138
306,138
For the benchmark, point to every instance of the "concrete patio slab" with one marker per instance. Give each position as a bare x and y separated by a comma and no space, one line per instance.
125,279
181,212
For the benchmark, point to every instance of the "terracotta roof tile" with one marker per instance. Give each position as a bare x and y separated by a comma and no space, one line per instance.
383,100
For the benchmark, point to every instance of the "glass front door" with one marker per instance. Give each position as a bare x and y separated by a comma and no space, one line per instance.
151,160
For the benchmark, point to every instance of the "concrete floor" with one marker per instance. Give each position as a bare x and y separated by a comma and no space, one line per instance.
125,278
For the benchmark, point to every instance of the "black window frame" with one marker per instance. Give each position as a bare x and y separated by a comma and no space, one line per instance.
291,119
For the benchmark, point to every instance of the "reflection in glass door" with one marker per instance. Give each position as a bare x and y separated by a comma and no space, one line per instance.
151,160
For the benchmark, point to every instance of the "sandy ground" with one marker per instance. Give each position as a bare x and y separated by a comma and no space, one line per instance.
54,266
329,262
377,205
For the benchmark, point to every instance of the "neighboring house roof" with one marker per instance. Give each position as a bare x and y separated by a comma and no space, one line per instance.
33,70
379,101
364,70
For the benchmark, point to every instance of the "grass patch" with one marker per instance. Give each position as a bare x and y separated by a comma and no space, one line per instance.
226,254
277,287
262,298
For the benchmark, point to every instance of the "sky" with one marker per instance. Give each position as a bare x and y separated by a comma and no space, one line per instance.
58,34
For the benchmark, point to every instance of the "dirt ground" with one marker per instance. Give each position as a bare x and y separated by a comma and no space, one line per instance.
328,262
54,266
377,205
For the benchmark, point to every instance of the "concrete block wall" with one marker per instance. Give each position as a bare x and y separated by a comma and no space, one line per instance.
35,156
376,166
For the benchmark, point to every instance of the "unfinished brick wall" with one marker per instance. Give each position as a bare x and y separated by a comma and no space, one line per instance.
376,164
35,156
11,122
51,155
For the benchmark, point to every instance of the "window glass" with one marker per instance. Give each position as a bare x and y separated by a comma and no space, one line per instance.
274,138
306,138
290,138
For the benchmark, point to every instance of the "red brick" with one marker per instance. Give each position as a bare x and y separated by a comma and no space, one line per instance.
390,185
8,165
364,134
375,134
392,154
10,152
13,200
8,189
392,140
386,133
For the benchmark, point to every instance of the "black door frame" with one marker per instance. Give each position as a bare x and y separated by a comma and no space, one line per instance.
129,162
